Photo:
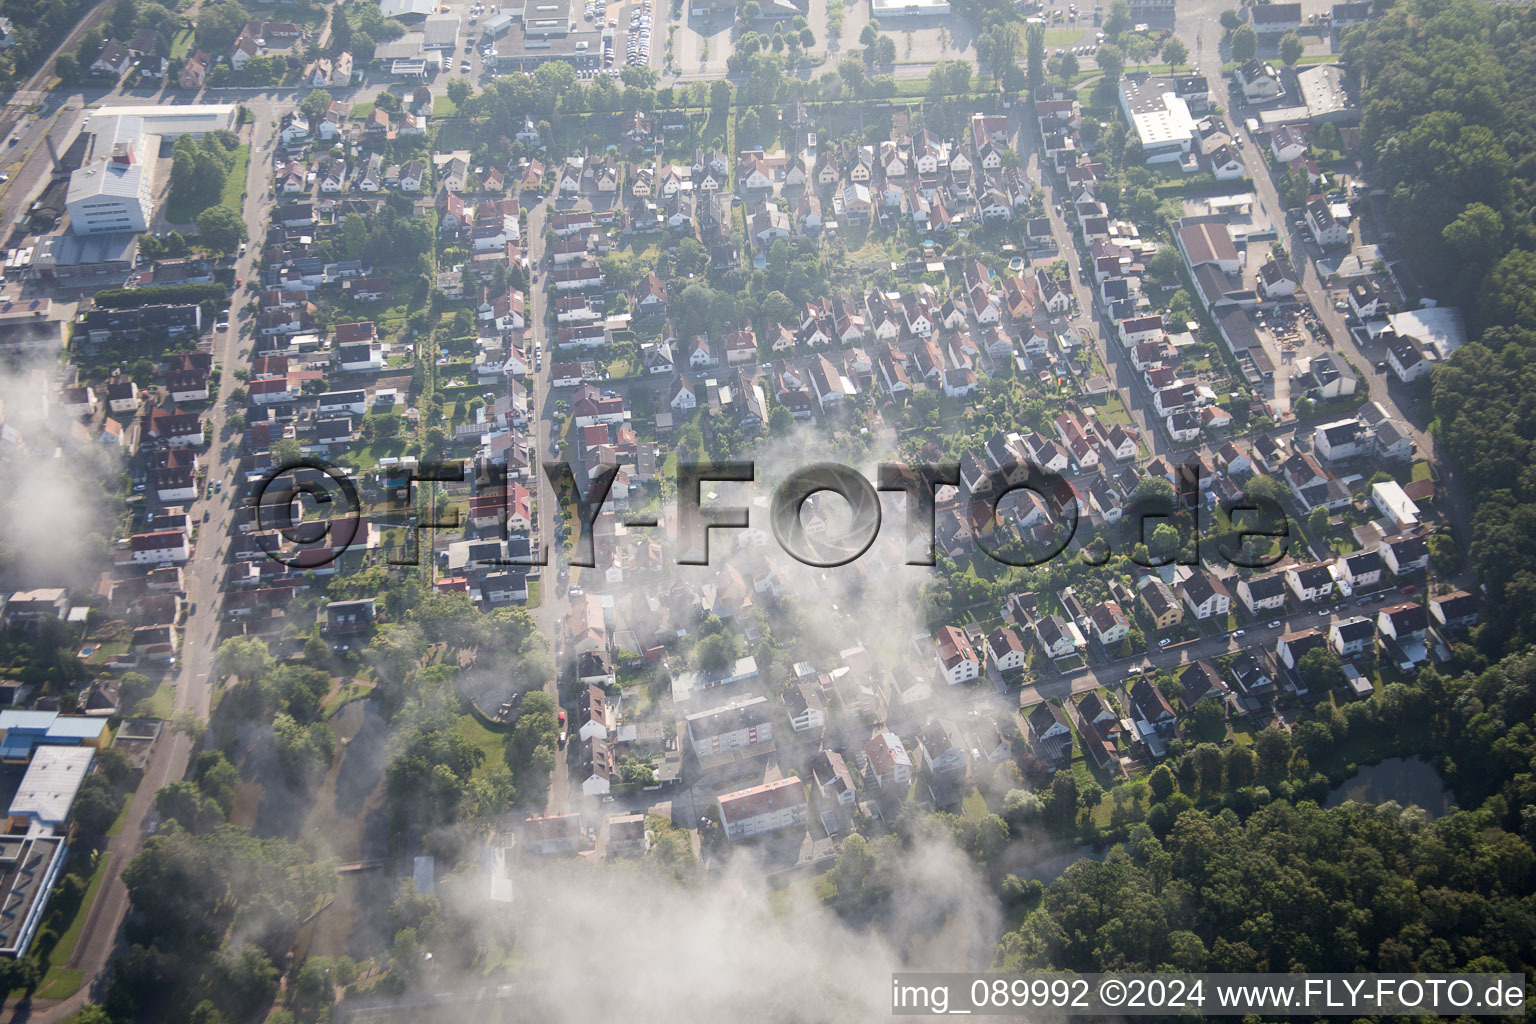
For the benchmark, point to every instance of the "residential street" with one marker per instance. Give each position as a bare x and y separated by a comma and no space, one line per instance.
203,574
553,606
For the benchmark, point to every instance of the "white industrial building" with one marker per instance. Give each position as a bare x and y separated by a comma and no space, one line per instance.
1163,123
114,189
48,788
170,122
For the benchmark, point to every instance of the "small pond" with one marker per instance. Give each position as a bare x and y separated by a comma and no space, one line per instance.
1405,780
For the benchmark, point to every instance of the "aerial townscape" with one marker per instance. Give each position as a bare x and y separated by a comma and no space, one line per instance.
402,618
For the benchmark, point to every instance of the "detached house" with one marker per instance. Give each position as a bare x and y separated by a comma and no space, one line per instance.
957,658
833,780
1309,583
1205,595
887,763
1049,734
649,297
1262,593
1159,602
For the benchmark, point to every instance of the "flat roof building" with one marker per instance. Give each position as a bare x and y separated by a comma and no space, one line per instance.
21,731
29,866
1163,123
440,32
1324,95
171,122
48,789
71,255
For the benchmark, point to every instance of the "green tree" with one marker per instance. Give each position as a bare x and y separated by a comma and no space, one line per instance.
97,805
245,657
221,229
851,70
124,19
1207,720
1064,66
218,23
1230,20
1320,669
716,653
1244,44
1034,37
1273,747
1317,521
1291,47
1160,782
341,29
638,77
1175,53
1111,60
1118,19
315,104
244,975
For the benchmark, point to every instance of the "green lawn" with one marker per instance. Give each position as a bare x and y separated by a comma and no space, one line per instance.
122,816
343,695
1063,36
480,736
178,210
182,44
160,703
442,106
60,983
234,182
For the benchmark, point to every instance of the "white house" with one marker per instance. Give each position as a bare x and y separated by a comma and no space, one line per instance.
957,658
1309,583
760,810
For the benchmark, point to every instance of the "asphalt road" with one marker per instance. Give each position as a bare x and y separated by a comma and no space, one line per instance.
1260,635
203,574
553,605
30,92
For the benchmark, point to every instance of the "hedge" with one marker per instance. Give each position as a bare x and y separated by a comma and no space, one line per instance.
172,294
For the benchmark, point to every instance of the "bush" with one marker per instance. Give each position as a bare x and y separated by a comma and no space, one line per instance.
180,294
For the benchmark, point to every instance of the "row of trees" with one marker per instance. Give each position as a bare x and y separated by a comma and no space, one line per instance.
1449,129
